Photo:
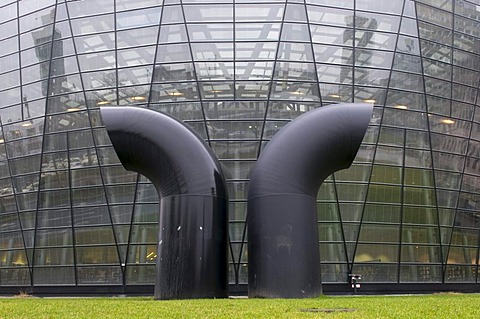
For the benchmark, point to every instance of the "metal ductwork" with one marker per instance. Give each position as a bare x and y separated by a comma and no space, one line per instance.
192,248
283,250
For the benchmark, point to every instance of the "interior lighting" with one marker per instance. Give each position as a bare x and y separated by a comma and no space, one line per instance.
73,109
297,93
401,107
175,93
138,98
369,101
335,96
150,254
103,102
2,140
447,121
26,124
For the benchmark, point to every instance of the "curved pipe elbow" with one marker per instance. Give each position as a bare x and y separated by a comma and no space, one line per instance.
310,148
165,150
283,254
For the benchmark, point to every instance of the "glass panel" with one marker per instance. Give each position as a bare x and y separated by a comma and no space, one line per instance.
462,255
53,256
88,196
386,174
96,6
252,90
383,194
209,13
295,91
133,57
330,16
379,234
394,6
97,61
381,213
376,253
252,51
140,275
92,236
236,150
420,273
433,14
455,273
209,32
137,18
351,192
434,33
54,276
294,71
295,52
420,254
99,275
142,254
259,12
295,32
256,31
97,255
331,35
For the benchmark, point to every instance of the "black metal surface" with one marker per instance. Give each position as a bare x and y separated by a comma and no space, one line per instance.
192,248
283,254
193,245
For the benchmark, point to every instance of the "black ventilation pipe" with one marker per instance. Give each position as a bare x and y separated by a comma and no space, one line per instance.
283,251
192,248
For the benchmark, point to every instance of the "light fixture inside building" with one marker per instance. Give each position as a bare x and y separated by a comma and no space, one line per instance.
103,102
1,140
27,124
73,109
175,93
369,101
297,93
401,107
447,121
335,96
138,98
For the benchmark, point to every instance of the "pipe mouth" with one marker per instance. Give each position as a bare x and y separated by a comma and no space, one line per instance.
309,149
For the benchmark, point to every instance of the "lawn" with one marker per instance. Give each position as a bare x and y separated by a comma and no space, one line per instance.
426,306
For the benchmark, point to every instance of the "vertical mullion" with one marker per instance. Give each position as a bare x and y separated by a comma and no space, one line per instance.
270,88
29,261
236,266
34,245
102,177
430,148
135,196
379,129
402,197
195,73
340,220
404,139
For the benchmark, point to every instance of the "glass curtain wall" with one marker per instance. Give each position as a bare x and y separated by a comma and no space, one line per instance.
236,71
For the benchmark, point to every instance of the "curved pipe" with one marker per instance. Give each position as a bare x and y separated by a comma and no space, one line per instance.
173,157
283,254
192,249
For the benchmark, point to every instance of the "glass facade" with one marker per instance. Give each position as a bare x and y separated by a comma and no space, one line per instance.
236,71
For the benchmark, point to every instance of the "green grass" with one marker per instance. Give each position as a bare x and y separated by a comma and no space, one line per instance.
428,306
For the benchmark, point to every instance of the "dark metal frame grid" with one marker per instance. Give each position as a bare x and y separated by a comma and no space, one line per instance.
129,276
